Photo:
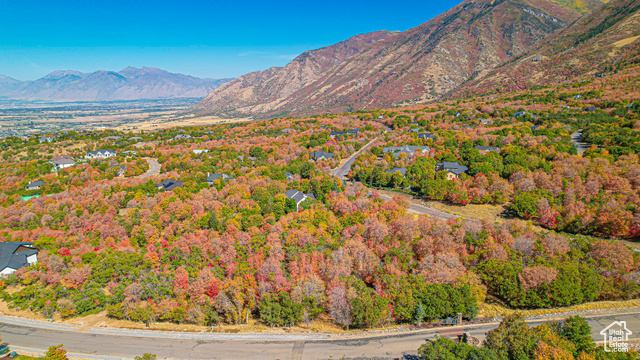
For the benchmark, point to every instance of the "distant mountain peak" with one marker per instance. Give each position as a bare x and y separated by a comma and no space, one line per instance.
128,84
62,73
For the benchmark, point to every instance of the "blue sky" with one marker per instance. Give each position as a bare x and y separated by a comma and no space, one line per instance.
202,38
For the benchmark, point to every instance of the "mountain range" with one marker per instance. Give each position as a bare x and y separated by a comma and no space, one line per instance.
449,55
604,39
129,84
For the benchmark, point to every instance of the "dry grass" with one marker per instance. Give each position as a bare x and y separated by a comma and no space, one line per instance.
321,325
161,124
626,41
483,211
493,310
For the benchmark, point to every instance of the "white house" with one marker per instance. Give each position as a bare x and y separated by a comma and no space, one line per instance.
200,151
61,163
16,255
100,154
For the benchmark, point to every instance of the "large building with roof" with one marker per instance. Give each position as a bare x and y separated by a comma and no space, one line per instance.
16,255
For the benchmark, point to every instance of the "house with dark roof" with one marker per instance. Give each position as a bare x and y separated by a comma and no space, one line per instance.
405,149
288,175
113,137
34,185
45,139
119,169
321,155
629,106
129,152
402,171
345,133
169,184
213,177
486,149
298,197
427,136
590,108
61,163
100,154
16,255
486,122
453,169
521,113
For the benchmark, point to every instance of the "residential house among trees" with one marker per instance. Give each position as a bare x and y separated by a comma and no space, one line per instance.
119,170
200,151
45,139
486,149
100,154
213,177
345,133
34,185
298,197
427,136
61,163
406,149
320,155
169,184
402,171
16,255
182,137
453,169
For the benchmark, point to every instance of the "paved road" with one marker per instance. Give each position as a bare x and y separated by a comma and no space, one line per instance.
126,344
421,209
154,168
576,139
342,170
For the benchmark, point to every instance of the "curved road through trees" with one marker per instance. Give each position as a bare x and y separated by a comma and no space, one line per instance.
154,168
576,139
37,336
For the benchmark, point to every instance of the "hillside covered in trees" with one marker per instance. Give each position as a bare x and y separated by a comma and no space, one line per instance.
237,247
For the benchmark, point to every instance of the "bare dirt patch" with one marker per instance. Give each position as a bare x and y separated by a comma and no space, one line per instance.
626,41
